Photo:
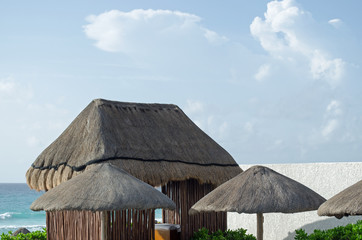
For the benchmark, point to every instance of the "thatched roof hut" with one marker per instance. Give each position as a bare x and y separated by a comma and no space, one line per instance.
156,143
346,203
114,198
259,190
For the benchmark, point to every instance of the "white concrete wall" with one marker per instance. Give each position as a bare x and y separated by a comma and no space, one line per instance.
327,179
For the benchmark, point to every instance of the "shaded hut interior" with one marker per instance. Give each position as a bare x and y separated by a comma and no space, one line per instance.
185,194
156,143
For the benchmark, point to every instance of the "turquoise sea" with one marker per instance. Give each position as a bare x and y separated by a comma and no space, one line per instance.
15,200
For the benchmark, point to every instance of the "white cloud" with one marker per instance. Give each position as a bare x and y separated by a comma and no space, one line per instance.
208,118
193,107
213,37
329,70
334,108
11,91
213,125
216,127
329,128
284,33
163,44
277,32
333,114
141,30
6,86
263,72
336,22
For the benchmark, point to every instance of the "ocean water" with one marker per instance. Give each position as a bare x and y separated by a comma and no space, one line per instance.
15,201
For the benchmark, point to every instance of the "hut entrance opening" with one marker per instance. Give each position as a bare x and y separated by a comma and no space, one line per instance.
185,194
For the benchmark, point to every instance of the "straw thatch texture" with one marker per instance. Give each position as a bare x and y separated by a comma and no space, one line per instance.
259,190
347,202
103,187
155,142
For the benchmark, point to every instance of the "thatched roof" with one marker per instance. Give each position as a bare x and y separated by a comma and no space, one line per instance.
102,188
156,143
347,202
259,190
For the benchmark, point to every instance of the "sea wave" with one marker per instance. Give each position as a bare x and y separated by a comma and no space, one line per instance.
13,228
21,215
7,215
23,226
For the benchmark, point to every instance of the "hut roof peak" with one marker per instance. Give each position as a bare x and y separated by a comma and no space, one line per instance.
107,130
134,105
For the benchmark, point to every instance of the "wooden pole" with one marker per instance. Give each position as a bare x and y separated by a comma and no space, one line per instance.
259,224
103,225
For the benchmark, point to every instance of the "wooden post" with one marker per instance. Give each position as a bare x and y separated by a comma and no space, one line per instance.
259,224
103,225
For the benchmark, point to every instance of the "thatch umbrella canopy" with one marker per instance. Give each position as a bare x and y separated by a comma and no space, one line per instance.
346,203
156,143
259,190
102,188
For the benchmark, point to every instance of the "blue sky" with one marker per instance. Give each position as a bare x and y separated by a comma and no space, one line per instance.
270,81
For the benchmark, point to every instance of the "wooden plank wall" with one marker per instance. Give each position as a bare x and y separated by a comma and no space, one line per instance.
128,224
185,194
132,224
73,225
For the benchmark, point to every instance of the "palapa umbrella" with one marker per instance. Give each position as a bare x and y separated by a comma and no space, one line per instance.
259,190
102,188
156,143
347,202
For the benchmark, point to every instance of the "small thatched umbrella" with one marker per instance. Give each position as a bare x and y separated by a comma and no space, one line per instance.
347,202
102,188
259,190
